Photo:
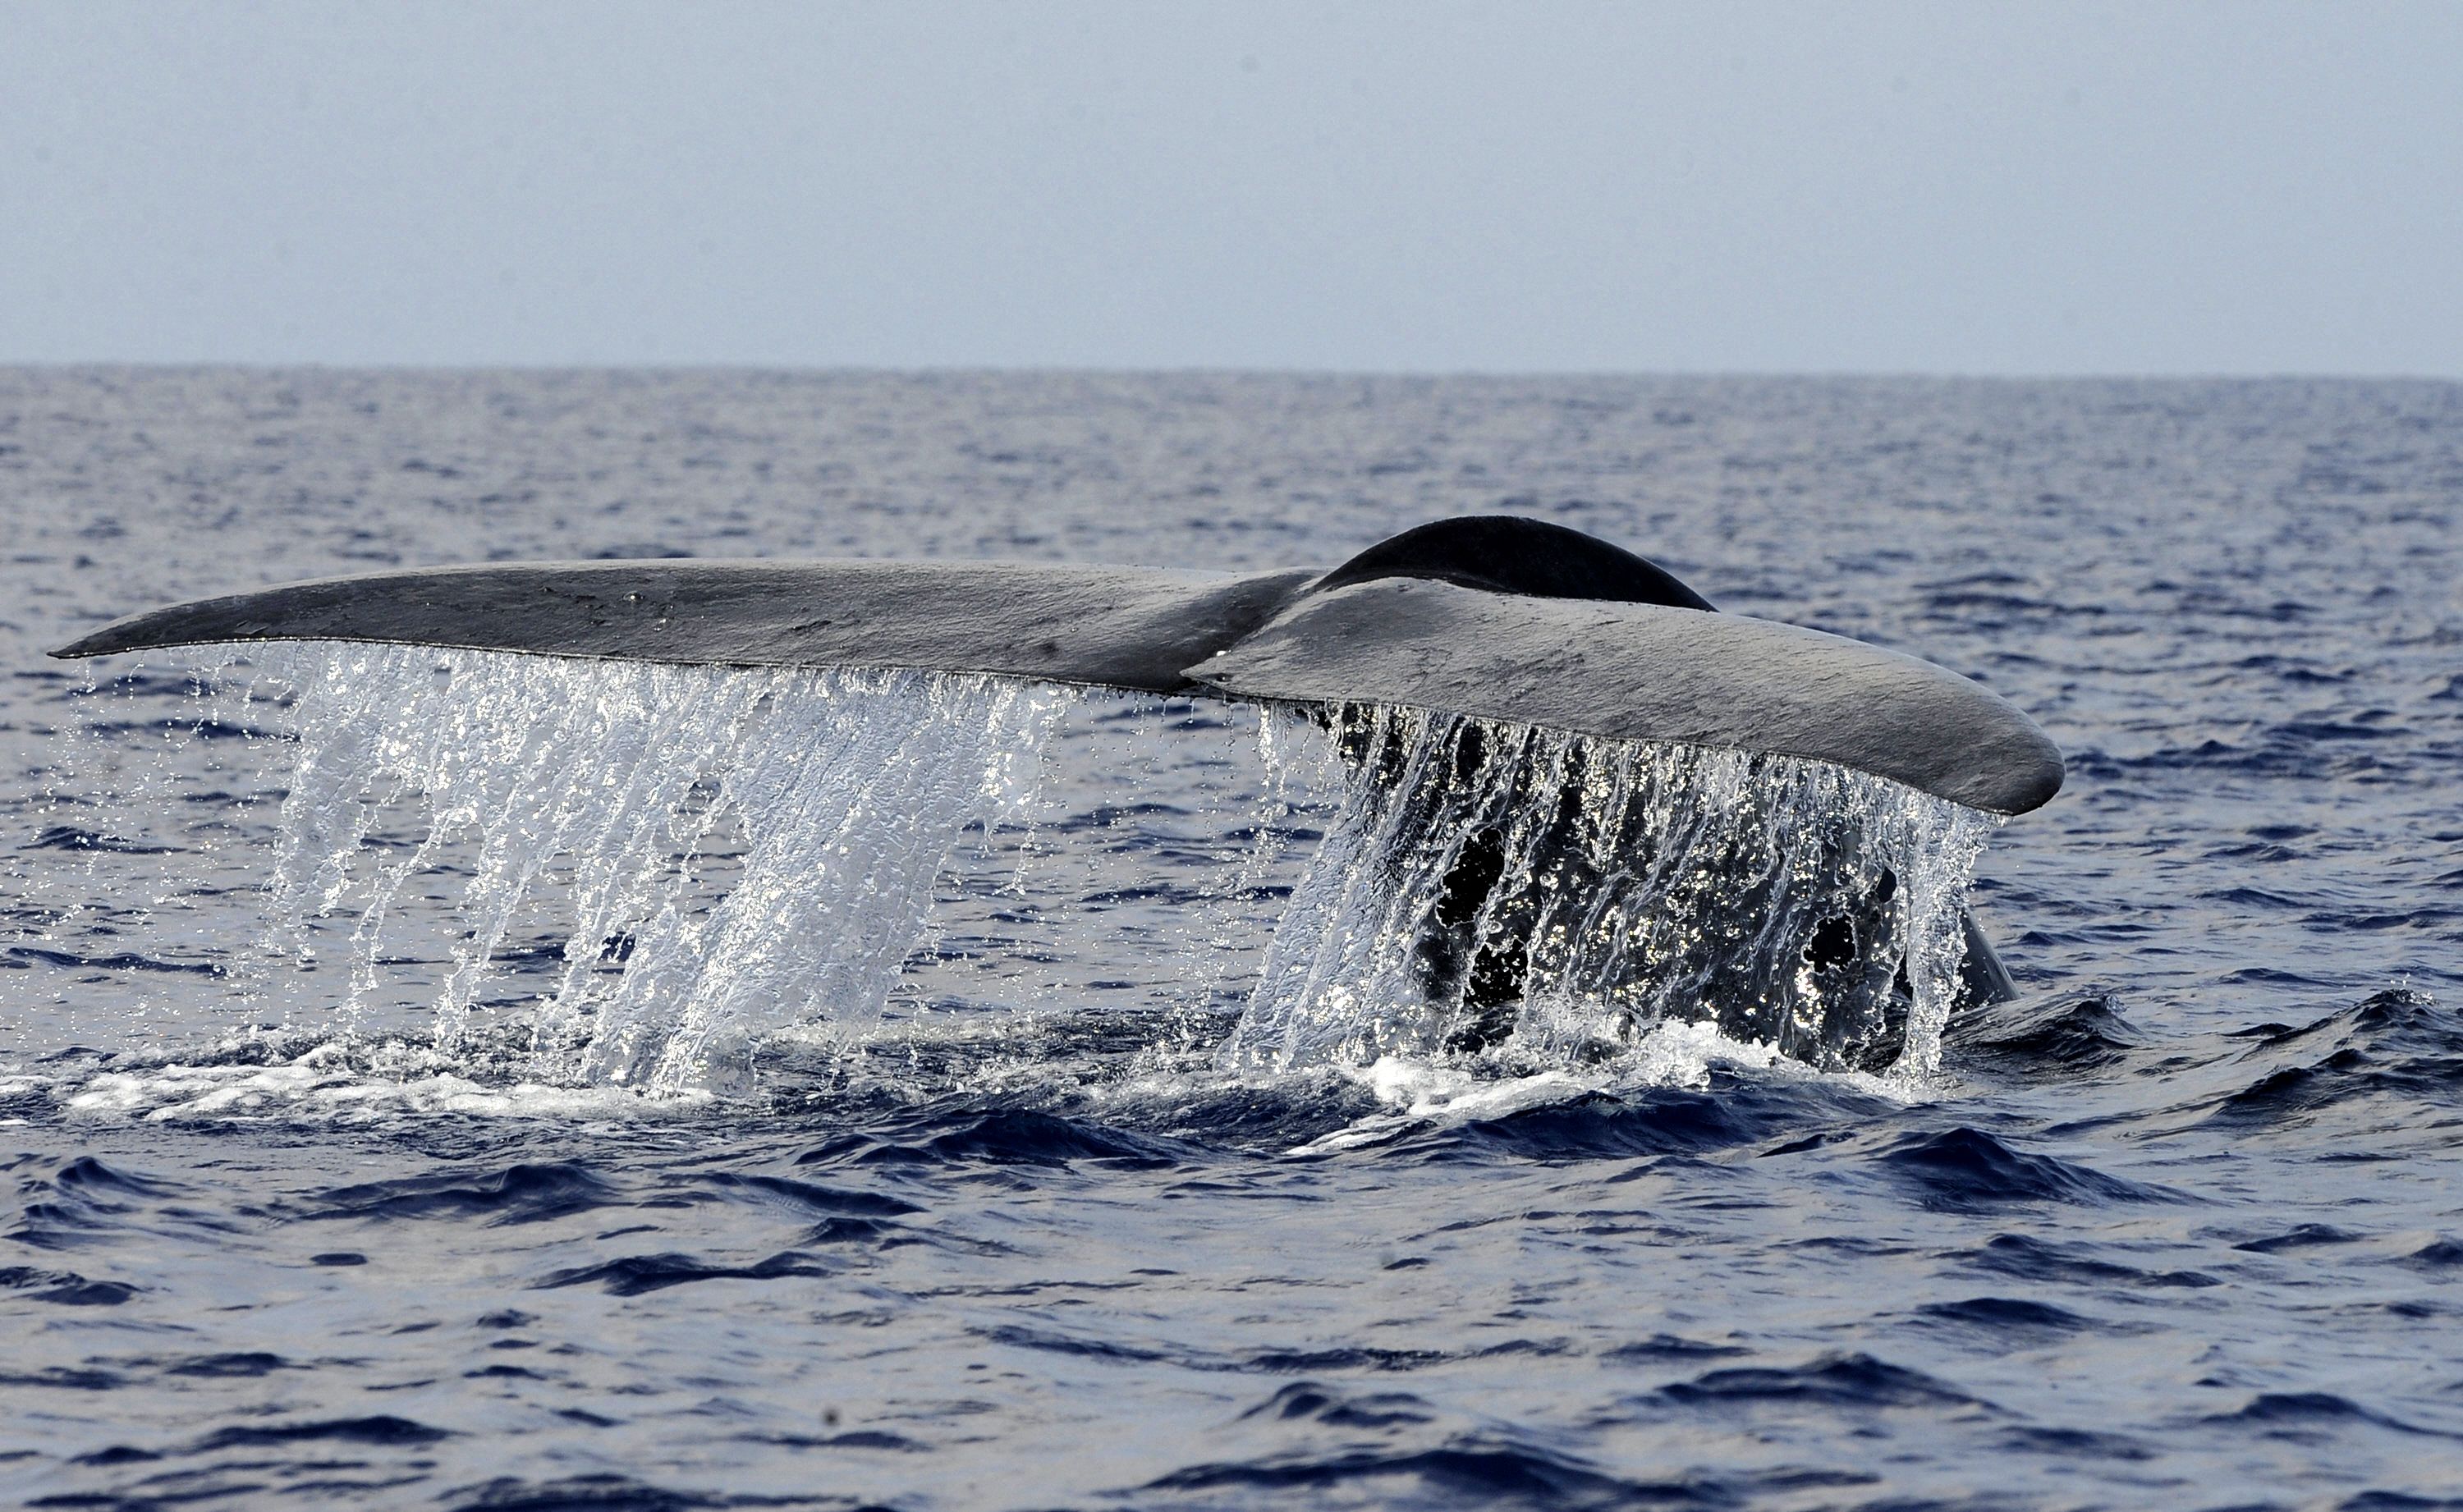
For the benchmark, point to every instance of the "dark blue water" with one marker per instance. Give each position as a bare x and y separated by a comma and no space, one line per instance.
2181,1227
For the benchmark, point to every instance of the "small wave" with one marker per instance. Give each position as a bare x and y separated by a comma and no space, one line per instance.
2304,1236
2395,1044
597,1492
245,1365
2437,1254
1026,1138
2031,1259
1967,1170
2077,1443
84,1202
1838,1380
1596,1126
635,1275
1471,1470
997,1137
119,960
1324,1404
210,730
1668,1349
88,1174
806,1196
69,837
65,1287
2309,1414
382,1430
519,1194
63,1377
2083,1033
1051,1341
2008,1318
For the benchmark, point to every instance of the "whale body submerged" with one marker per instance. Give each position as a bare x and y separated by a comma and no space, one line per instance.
1493,618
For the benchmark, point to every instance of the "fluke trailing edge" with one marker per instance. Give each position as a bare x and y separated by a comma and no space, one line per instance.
1492,616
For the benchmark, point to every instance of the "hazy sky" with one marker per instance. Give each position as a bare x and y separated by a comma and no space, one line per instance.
2242,188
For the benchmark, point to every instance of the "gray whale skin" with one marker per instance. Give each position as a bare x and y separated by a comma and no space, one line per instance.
1495,616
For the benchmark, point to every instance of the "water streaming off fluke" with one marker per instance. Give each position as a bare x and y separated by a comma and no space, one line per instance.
711,855
1501,887
600,788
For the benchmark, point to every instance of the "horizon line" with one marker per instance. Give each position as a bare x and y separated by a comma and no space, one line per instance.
1215,370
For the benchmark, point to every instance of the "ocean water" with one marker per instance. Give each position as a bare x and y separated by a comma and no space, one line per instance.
445,1080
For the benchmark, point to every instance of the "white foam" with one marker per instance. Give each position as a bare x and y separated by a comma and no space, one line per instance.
335,1081
1420,1094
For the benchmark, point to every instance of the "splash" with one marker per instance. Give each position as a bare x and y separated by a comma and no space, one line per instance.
1549,899
719,853
631,875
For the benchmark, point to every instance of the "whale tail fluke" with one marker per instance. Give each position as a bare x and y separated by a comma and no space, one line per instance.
1496,617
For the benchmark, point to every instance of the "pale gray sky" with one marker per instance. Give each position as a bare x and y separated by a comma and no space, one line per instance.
2032,187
